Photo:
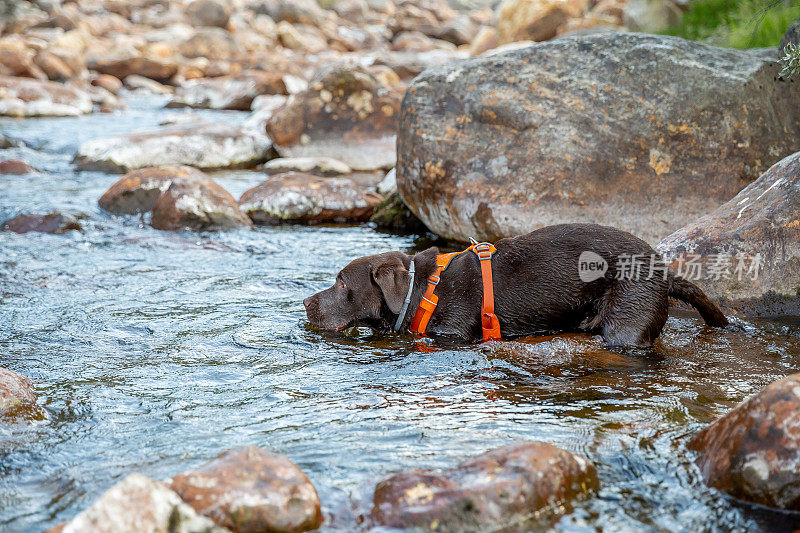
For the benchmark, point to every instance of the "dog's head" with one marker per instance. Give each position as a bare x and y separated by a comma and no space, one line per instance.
369,292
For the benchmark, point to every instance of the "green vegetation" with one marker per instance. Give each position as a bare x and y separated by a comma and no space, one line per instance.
737,23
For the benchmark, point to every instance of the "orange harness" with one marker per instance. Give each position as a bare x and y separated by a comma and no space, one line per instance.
489,322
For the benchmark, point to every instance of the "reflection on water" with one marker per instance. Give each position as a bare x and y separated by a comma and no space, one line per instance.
156,351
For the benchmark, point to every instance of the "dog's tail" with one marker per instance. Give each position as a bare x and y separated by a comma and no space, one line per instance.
688,292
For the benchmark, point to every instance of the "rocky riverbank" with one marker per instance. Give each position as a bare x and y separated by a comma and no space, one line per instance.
334,77
643,132
413,114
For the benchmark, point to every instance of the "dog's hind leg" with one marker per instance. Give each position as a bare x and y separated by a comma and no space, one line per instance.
634,313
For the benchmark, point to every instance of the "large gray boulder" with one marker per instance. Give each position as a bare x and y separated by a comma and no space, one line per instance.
746,253
54,223
638,131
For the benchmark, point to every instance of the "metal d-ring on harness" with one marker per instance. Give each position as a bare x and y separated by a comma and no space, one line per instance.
489,322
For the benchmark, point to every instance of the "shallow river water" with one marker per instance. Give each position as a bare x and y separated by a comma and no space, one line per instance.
155,351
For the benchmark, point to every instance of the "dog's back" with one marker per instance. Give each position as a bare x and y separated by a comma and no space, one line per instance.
592,278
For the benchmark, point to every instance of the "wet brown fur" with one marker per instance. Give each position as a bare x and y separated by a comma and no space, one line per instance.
537,290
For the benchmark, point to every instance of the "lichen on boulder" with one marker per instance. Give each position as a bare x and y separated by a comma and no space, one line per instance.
346,113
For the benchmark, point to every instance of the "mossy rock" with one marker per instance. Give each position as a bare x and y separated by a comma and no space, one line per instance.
393,214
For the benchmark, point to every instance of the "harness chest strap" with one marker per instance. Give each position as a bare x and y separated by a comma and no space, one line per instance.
429,300
489,322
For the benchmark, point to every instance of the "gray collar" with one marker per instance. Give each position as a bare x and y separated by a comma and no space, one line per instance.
404,310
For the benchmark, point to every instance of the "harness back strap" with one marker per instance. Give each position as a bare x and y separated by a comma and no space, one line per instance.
489,322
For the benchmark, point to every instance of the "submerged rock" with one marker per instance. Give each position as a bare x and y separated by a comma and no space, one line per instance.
139,504
270,102
197,205
207,145
495,489
5,142
304,198
248,489
17,398
631,130
53,223
746,253
345,114
25,97
15,166
138,191
753,452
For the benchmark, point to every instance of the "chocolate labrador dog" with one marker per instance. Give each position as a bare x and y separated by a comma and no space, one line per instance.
563,278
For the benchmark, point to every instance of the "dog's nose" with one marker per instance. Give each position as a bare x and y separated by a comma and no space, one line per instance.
307,302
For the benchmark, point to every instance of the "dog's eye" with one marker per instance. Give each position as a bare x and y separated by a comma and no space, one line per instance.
342,285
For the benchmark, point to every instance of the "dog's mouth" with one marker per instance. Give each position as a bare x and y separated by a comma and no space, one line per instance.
317,325
378,325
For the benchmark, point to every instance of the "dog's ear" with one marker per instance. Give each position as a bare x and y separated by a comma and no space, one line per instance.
393,279
428,255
